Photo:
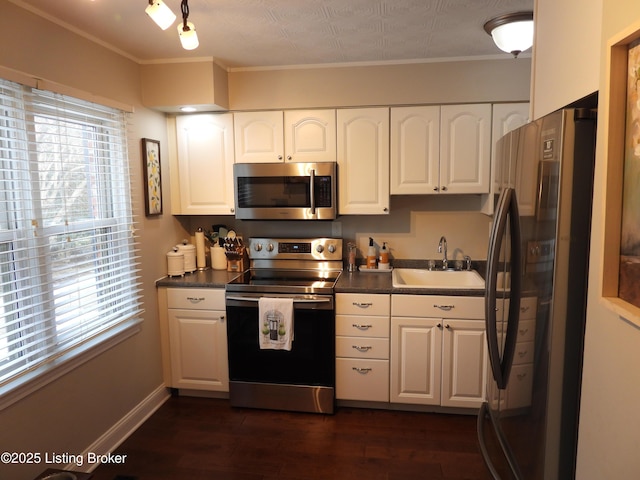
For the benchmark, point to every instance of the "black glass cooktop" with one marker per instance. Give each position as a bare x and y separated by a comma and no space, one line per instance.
284,281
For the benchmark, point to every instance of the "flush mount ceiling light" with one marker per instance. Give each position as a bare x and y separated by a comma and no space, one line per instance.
187,30
513,32
160,13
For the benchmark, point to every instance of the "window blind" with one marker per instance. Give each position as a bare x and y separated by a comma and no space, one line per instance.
68,267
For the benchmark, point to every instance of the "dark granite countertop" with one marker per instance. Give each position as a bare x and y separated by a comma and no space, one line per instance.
380,282
349,282
199,279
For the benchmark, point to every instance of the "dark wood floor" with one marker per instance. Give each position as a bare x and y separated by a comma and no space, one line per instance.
197,438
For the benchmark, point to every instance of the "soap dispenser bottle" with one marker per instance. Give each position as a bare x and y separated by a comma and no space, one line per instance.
371,255
384,257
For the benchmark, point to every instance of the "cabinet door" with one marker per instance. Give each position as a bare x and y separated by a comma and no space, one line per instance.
464,363
363,161
310,135
506,118
259,137
416,347
205,164
465,148
198,346
527,169
415,150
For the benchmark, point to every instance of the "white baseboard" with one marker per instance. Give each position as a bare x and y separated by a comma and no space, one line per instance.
128,424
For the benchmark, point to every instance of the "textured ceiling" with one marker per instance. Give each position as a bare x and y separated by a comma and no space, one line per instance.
271,33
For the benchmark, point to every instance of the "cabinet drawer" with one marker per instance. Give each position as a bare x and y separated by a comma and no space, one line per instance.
366,380
362,304
196,298
362,347
437,306
520,386
523,353
526,331
528,308
362,326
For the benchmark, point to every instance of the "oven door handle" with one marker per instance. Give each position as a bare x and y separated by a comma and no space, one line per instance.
295,299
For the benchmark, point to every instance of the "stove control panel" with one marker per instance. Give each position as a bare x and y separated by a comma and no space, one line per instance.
318,249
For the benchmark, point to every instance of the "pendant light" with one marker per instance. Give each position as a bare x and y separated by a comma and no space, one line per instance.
187,31
160,13
512,33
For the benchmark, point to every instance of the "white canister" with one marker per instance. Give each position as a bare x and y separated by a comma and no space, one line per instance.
175,263
218,258
189,252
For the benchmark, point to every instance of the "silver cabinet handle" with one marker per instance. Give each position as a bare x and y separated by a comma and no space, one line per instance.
361,327
524,309
522,354
362,370
444,307
195,299
361,348
362,305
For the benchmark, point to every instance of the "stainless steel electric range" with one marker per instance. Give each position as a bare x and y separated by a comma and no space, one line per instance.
301,378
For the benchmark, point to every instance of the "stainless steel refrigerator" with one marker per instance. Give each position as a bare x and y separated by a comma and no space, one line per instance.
535,302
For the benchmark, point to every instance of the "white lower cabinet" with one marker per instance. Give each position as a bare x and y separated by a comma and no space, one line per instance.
438,350
362,347
197,339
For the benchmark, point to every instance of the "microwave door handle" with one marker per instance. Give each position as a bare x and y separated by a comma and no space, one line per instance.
312,190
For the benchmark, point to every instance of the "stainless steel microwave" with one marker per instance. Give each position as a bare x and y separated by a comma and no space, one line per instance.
285,191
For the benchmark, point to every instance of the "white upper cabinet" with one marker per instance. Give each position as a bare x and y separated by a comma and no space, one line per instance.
415,150
310,135
205,164
259,137
363,161
292,136
465,148
506,118
526,177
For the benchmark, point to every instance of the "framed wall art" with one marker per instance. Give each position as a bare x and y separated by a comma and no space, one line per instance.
621,272
152,177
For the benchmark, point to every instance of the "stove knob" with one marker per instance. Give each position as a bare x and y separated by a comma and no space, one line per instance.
270,247
257,247
332,248
319,249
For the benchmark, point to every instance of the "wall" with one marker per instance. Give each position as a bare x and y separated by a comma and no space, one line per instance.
503,80
609,418
73,412
565,64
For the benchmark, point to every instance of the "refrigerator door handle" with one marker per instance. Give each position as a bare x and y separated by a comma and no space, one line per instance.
507,210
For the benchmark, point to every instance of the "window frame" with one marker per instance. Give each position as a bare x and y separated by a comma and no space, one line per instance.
60,360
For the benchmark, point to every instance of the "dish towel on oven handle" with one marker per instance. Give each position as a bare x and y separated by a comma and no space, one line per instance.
275,323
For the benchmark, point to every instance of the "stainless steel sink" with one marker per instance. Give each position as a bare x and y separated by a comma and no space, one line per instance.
441,279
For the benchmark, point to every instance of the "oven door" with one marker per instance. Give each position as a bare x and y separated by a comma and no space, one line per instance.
285,191
302,378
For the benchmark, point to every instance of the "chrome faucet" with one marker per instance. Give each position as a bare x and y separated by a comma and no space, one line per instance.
442,248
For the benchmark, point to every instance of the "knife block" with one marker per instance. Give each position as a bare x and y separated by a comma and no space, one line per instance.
236,260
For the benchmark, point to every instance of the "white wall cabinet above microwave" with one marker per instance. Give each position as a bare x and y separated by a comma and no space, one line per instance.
441,149
204,171
289,136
